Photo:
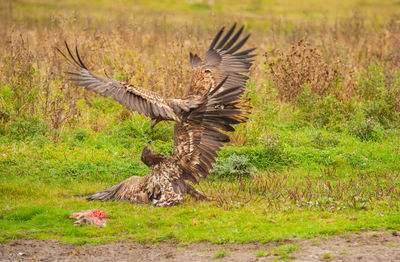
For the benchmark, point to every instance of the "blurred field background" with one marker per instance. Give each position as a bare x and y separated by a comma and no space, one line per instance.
322,143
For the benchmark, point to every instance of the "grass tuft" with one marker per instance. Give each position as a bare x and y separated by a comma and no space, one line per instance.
221,254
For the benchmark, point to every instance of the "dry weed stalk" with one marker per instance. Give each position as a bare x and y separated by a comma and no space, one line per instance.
277,190
21,77
302,65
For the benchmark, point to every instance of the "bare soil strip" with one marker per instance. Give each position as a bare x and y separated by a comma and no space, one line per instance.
365,246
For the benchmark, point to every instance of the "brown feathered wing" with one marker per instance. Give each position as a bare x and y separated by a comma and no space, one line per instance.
201,135
134,98
222,59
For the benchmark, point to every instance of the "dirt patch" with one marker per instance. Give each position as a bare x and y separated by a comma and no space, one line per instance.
365,246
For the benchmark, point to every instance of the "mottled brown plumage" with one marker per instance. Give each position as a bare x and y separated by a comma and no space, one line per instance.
213,104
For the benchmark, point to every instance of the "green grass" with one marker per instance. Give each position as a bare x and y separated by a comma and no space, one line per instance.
38,180
284,252
262,253
221,254
327,256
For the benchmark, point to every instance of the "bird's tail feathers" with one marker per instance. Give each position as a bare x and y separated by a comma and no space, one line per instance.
108,194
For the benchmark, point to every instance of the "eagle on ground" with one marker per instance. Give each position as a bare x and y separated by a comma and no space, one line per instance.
212,105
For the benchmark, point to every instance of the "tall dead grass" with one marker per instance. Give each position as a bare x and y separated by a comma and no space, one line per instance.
151,50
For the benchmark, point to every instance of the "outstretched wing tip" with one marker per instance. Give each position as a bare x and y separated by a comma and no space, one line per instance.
134,98
225,56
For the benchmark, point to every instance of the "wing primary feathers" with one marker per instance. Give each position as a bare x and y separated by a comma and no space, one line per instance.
223,59
66,58
69,52
134,98
79,58
216,38
249,61
226,37
73,73
239,45
246,52
234,39
218,86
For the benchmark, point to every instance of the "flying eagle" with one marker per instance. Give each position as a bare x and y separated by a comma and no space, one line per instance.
213,104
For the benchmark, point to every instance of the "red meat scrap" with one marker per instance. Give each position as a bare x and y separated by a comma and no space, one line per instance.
95,217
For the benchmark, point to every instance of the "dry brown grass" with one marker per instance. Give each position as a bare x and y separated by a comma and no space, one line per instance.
301,65
151,50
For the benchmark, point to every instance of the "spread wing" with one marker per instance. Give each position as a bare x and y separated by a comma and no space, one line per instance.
201,135
222,59
134,98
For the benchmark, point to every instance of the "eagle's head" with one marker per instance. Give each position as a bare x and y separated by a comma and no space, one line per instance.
149,158
146,156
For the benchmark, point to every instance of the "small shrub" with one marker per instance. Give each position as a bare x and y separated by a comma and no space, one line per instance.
366,129
382,111
380,100
372,83
328,111
233,167
301,65
268,154
272,145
